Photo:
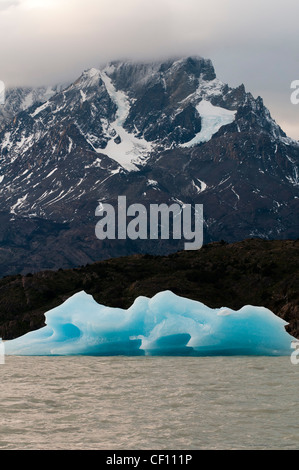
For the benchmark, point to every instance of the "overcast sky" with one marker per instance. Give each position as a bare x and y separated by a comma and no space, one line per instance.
252,42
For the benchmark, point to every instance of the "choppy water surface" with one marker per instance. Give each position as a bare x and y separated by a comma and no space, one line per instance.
149,403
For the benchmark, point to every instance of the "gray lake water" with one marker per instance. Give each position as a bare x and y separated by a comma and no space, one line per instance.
140,403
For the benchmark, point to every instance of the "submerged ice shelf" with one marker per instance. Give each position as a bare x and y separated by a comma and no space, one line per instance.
163,325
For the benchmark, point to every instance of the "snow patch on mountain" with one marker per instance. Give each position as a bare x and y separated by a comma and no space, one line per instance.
202,185
18,204
40,109
213,118
125,148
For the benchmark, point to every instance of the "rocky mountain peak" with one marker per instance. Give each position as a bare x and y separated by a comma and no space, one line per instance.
159,131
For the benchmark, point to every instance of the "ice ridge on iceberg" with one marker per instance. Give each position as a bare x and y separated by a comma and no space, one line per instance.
165,324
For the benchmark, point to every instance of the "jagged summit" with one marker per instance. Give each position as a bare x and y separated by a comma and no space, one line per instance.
129,73
159,131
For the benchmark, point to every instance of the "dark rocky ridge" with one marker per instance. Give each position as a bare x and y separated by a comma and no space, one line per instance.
254,272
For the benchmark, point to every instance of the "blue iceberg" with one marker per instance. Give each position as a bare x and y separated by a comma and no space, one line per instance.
166,324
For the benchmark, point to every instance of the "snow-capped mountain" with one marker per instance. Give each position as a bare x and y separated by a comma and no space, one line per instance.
155,132
20,99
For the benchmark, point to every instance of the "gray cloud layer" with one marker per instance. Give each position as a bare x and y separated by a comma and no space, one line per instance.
5,4
251,42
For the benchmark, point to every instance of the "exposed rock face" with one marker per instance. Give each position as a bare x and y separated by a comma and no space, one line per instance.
154,132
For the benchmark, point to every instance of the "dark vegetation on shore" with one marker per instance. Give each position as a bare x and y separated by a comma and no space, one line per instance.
254,271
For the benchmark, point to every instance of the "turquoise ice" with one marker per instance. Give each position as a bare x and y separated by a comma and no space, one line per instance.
165,324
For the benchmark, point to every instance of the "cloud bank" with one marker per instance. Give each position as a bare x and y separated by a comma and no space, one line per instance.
250,42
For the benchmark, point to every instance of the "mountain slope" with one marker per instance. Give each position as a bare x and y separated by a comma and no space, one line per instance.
158,132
